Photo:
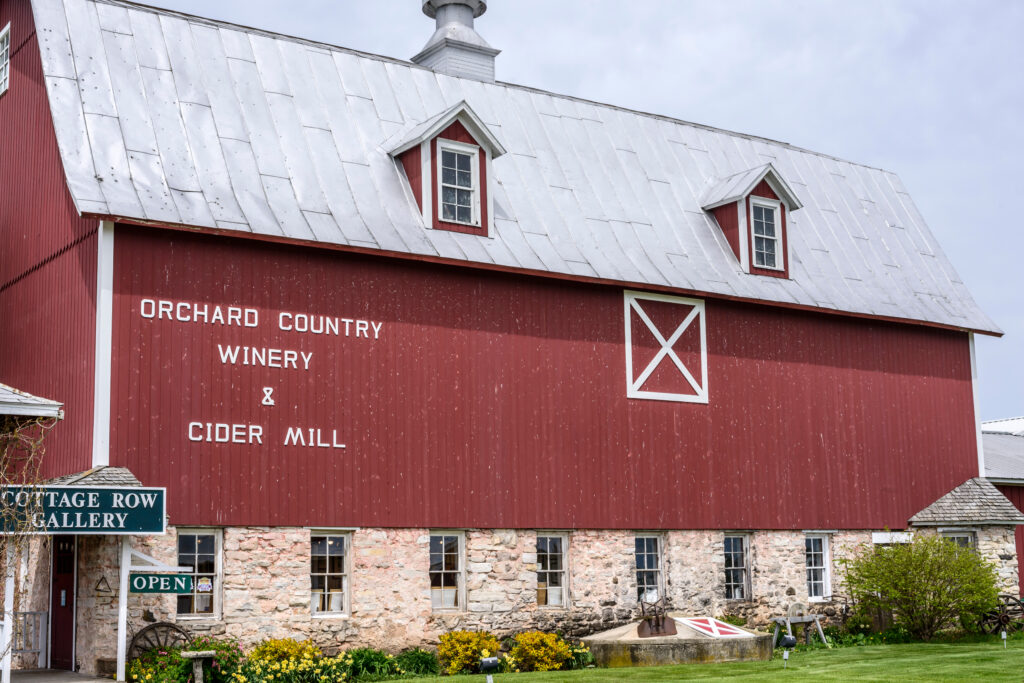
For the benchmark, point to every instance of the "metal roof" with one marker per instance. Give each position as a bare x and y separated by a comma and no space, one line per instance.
974,502
738,186
1004,456
168,118
1010,425
15,402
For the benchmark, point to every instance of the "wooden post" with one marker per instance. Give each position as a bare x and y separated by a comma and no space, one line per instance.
122,607
6,640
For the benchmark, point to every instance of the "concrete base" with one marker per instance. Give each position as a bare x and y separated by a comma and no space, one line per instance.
621,647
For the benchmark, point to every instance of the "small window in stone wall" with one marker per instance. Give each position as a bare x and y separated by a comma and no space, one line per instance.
818,568
328,572
737,569
199,550
963,538
446,571
552,587
648,568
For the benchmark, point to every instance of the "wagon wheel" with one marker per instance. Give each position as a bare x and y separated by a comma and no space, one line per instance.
1007,616
161,635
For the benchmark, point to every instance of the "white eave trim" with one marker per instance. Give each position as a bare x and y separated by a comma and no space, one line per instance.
775,179
430,128
1008,481
32,410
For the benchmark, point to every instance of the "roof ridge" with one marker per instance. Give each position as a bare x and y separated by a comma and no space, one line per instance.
402,62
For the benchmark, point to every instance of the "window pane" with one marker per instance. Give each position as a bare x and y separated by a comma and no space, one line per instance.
186,543
465,179
204,604
435,544
464,215
554,545
463,162
205,564
447,159
336,564
448,176
542,544
451,562
448,195
318,545
184,604
639,545
187,561
465,197
451,545
204,544
448,212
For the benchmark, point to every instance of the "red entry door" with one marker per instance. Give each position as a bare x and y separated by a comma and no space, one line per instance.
62,604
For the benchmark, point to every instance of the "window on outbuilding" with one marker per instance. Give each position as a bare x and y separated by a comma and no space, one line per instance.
328,572
552,586
818,565
964,538
5,58
447,578
737,568
649,579
199,550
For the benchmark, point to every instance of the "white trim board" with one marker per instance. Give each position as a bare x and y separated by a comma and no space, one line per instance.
104,345
634,384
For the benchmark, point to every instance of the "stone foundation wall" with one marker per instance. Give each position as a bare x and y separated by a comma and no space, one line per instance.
265,591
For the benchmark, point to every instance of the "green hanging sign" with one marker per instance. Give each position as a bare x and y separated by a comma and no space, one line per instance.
160,583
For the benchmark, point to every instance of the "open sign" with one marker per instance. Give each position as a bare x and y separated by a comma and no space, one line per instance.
160,583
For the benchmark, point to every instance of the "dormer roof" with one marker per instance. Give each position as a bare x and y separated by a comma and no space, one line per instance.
429,129
738,185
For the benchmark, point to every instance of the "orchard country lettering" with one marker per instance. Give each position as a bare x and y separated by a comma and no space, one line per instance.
189,312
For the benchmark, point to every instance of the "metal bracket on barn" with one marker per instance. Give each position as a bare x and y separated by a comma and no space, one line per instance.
151,564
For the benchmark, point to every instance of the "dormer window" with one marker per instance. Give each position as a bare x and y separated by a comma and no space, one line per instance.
458,184
447,161
752,209
5,58
767,235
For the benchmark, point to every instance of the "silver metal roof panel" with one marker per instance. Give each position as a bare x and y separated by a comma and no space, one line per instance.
169,118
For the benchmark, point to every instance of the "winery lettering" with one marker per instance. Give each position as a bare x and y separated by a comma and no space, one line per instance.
271,358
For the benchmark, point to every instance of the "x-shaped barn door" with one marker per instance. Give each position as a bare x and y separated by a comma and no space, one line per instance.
695,390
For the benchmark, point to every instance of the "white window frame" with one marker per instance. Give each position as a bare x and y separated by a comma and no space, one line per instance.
957,532
461,588
5,60
780,259
748,592
826,573
660,578
564,602
474,167
346,608
891,537
218,578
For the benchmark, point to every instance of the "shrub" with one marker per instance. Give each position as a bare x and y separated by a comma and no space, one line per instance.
310,667
537,651
460,651
225,664
365,662
281,649
926,583
418,662
734,619
581,655
160,666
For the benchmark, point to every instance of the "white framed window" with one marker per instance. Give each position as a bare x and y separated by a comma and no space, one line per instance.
5,58
818,563
458,182
447,570
200,551
766,233
737,567
552,570
650,585
329,552
965,538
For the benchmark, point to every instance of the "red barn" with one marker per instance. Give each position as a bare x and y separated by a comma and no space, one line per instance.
411,348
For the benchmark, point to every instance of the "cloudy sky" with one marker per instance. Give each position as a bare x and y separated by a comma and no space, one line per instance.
930,89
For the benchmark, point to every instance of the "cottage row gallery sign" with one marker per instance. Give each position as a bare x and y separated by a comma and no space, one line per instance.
101,510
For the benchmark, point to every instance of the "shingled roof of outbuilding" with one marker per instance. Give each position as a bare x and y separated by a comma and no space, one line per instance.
976,502
98,476
171,119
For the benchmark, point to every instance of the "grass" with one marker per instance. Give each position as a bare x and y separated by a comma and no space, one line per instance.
974,659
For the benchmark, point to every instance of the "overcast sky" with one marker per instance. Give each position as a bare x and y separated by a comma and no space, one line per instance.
930,89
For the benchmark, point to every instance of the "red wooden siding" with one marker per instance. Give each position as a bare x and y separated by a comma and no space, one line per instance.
414,172
763,189
458,133
48,258
495,400
1016,496
729,221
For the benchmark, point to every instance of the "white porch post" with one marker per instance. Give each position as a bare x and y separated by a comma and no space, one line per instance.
8,632
122,606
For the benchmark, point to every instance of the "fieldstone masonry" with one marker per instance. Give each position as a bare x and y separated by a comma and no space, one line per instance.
265,588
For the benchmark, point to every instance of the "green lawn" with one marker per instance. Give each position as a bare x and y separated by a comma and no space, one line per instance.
914,662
